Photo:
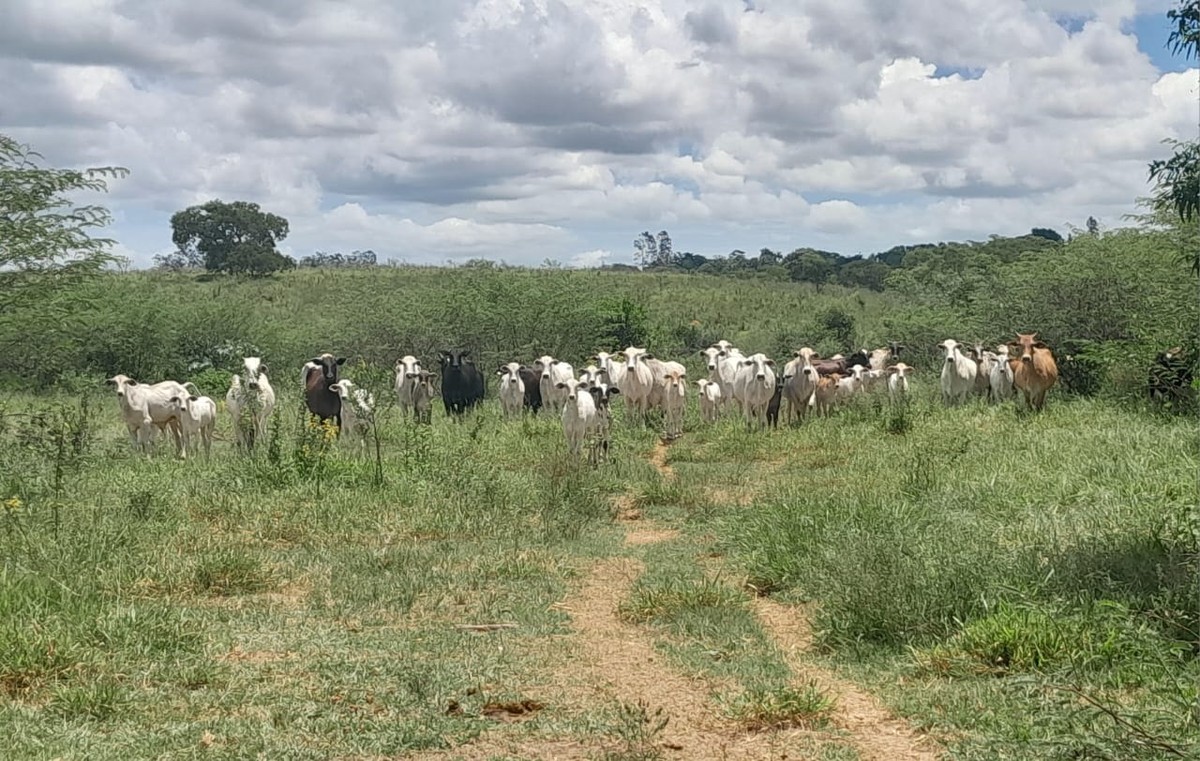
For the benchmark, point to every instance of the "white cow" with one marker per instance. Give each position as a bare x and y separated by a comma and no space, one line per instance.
612,365
145,407
1001,378
358,411
674,392
710,399
724,346
727,369
579,417
898,381
712,363
661,370
878,359
512,389
754,386
197,418
406,371
250,400
852,383
637,383
553,372
958,373
799,384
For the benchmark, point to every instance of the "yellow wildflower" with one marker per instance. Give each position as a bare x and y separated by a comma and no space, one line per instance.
12,504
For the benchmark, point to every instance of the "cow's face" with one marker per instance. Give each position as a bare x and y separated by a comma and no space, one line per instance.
121,382
329,366
1025,344
711,356
252,370
571,386
949,346
455,357
632,355
510,374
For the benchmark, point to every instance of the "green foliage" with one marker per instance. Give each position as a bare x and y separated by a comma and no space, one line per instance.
235,238
624,324
46,246
807,707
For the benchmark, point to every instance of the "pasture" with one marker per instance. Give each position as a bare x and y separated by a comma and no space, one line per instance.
882,583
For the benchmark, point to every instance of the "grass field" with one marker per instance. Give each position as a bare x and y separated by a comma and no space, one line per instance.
980,581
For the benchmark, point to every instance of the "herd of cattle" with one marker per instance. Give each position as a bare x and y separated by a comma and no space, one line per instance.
752,385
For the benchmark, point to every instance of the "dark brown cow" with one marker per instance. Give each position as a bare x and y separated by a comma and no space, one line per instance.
322,373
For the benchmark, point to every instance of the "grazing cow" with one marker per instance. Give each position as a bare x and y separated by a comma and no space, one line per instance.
406,371
512,389
145,407
710,399
674,391
250,401
826,394
958,373
602,393
898,381
1170,376
358,410
462,383
553,373
800,381
754,386
321,400
423,396
197,418
578,414
851,384
532,380
637,383
1000,380
1034,371
773,405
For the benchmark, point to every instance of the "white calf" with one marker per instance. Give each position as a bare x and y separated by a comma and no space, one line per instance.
406,371
512,389
674,402
958,373
851,384
250,400
1001,377
197,418
358,411
710,399
423,395
898,381
554,372
754,386
578,414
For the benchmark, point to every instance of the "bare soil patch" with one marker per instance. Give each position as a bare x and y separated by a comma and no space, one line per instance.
874,732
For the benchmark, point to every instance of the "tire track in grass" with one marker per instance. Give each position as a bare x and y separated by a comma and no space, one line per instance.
875,733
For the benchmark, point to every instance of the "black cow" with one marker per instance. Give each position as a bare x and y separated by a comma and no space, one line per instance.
773,405
860,357
533,388
462,383
1170,376
321,373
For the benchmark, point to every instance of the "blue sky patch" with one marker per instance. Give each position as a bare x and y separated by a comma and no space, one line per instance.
1152,30
966,72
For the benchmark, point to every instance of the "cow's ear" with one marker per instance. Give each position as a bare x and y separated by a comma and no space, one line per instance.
131,382
315,361
553,362
193,398
560,385
747,363
1040,345
263,369
647,355
614,391
464,353
771,362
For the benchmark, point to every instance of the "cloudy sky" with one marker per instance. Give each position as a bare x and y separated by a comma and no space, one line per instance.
531,129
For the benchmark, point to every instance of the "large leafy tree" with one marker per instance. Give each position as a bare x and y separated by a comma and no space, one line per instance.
237,238
1177,179
46,243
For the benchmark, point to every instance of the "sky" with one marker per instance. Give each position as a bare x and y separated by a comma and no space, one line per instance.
527,130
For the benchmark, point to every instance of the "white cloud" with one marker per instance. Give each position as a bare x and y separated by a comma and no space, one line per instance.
529,130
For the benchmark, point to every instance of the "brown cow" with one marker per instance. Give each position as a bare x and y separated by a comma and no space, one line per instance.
1034,370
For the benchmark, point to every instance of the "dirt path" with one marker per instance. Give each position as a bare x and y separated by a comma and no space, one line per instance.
617,662
874,732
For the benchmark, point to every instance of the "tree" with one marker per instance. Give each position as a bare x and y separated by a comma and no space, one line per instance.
1093,227
235,238
645,249
1047,233
46,247
1177,179
666,250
